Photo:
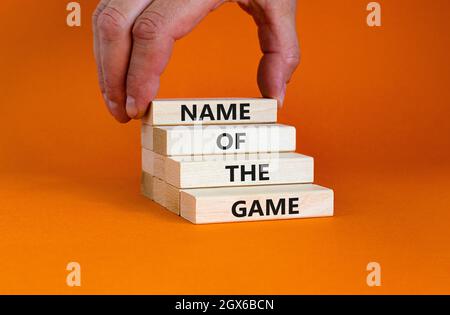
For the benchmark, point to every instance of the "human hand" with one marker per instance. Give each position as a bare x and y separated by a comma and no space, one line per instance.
133,41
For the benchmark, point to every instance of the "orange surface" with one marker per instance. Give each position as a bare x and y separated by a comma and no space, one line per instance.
370,104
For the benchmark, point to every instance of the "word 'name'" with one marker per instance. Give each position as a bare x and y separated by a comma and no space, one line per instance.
283,207
235,112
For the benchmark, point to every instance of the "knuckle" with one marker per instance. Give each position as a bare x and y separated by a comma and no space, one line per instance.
111,23
148,26
98,10
292,57
95,16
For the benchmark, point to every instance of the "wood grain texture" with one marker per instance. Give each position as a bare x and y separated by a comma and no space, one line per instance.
161,192
235,204
211,111
196,171
219,139
153,163
147,185
147,137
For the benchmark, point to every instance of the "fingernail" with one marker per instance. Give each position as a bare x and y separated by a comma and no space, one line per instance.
112,105
282,95
132,110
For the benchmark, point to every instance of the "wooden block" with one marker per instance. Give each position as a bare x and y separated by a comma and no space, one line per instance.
219,139
235,204
254,203
198,171
147,185
147,137
161,192
172,199
153,163
211,111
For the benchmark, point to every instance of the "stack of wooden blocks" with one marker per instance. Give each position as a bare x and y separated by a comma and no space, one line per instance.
227,160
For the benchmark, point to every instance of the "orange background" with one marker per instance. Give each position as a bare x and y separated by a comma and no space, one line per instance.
370,104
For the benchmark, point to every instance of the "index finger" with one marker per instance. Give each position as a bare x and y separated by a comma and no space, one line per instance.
154,34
